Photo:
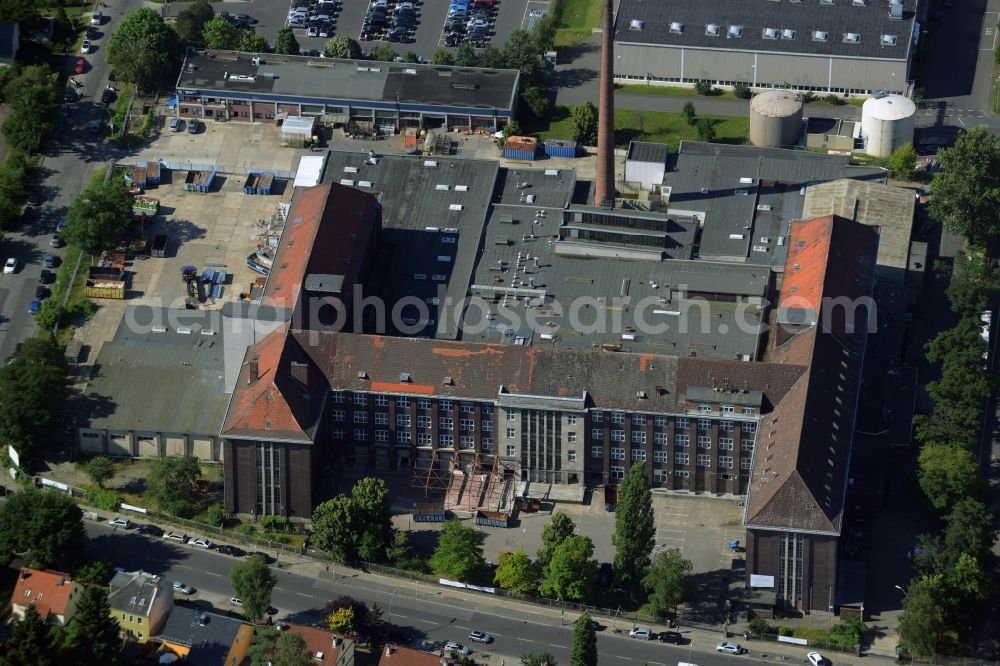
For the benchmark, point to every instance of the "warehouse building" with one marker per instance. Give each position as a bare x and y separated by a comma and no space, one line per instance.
852,47
370,96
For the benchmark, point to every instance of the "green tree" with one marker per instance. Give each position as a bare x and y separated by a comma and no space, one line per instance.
968,529
515,572
411,57
216,516
192,19
34,389
538,659
98,217
47,525
947,474
367,623
922,622
690,116
491,58
442,57
31,641
459,553
334,528
584,651
706,129
271,647
571,575
285,42
585,124
466,56
341,621
849,632
635,528
253,582
94,572
143,49
14,172
93,633
33,97
966,191
342,47
383,53
100,469
261,650
373,518
559,528
253,42
973,285
21,12
512,128
903,161
667,582
538,100
742,91
220,33
172,484
969,579
703,87
520,52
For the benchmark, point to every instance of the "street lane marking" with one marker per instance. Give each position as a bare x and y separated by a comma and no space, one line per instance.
212,573
525,640
458,626
303,594
428,621
401,616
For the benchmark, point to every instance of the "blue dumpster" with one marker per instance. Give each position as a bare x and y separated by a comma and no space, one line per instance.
559,148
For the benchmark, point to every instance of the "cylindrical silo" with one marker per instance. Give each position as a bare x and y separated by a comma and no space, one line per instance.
887,123
775,119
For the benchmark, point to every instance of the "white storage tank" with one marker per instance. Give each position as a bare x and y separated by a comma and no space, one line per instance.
887,123
775,119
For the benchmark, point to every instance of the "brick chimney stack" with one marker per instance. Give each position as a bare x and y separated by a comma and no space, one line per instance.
604,192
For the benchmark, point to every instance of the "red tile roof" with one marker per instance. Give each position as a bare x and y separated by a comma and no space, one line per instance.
394,655
320,641
48,591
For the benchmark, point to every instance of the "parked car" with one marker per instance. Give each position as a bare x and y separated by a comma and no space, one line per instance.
200,542
645,633
107,96
452,39
247,18
183,588
41,293
120,521
95,126
452,646
193,126
180,537
151,530
96,18
49,260
536,13
312,32
175,124
236,601
86,46
79,66
55,241
10,266
324,32
34,306
61,224
729,648
226,549
816,659
480,637
263,556
670,637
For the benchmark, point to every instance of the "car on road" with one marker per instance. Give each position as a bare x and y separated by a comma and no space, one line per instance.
200,542
644,633
108,96
62,224
96,18
480,637
86,46
816,659
729,648
151,530
452,646
10,266
41,293
246,18
120,521
46,277
673,637
183,588
55,241
49,260
236,601
180,537
80,65
226,549
267,559
34,306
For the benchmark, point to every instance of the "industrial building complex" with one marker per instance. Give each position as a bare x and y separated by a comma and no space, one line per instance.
852,47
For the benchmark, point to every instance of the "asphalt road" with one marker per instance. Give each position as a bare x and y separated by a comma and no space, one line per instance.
430,615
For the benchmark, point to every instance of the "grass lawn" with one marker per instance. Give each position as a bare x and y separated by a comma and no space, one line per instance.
579,18
673,91
655,126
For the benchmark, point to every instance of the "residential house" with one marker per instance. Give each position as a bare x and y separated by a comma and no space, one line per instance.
394,655
140,602
324,647
53,594
205,639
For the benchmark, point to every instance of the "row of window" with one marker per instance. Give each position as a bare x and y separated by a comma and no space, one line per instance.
639,455
423,438
361,400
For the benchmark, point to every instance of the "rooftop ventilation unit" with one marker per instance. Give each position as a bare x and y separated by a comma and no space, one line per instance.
770,33
735,31
859,3
896,10
852,37
636,24
820,35
888,40
676,27
826,2
712,29
405,377
788,33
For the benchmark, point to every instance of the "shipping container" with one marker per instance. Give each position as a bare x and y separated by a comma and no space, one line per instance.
158,247
492,519
153,174
559,148
428,513
104,289
520,148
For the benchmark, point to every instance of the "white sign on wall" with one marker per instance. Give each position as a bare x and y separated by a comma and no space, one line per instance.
757,580
14,457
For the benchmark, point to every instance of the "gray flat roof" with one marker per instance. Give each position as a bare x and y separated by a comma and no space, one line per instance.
557,283
326,79
643,151
548,188
749,194
151,380
209,635
870,20
426,202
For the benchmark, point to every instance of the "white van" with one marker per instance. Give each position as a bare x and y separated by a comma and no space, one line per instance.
175,124
96,18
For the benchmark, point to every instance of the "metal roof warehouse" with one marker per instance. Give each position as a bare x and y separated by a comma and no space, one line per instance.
269,88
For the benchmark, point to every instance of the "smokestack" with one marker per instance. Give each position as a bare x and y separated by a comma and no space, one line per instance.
604,193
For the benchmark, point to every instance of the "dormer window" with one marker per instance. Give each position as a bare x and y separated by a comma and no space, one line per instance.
852,38
888,40
636,24
735,31
826,2
676,28
859,3
820,35
712,29
770,33
788,33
